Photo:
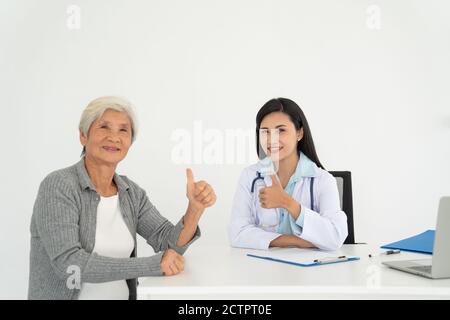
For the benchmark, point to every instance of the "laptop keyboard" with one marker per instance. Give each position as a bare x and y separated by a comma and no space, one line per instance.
425,269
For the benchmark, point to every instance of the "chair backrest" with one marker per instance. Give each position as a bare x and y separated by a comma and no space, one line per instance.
344,183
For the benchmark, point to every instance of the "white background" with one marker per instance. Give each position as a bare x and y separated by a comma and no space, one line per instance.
378,100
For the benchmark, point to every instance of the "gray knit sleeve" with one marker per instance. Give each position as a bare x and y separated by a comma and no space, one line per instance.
159,232
56,216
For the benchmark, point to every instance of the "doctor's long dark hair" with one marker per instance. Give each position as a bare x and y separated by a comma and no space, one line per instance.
289,107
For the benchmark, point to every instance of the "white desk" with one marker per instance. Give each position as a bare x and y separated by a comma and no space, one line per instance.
213,272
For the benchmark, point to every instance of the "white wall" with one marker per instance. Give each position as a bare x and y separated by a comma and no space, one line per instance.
378,100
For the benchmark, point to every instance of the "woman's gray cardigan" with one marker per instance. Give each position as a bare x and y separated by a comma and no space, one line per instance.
63,235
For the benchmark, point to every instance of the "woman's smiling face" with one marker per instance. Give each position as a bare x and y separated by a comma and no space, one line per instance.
109,137
278,136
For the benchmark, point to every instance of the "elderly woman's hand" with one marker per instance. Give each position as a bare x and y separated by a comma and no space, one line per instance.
172,263
200,194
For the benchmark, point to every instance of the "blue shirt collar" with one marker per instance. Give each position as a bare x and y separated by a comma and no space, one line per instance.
305,168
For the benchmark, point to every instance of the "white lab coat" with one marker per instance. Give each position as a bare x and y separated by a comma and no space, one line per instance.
326,228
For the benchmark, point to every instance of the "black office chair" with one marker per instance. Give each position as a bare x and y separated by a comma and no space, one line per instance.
344,183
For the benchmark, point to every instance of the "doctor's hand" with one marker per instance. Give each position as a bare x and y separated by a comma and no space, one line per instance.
172,263
273,196
200,194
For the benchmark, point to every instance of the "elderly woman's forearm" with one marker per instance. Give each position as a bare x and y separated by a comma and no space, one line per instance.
190,222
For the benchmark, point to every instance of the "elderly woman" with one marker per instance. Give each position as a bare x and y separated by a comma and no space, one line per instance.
86,217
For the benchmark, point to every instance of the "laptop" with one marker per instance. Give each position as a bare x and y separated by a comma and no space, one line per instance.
439,265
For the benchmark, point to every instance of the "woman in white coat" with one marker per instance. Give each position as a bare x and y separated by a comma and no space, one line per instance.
287,198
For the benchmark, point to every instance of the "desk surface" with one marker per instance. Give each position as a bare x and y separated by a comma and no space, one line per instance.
222,272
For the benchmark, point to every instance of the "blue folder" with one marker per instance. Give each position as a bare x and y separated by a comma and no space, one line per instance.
300,264
422,243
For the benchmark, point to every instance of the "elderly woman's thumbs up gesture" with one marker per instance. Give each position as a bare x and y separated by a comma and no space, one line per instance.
200,194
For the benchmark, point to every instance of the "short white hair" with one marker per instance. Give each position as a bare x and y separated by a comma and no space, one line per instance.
97,107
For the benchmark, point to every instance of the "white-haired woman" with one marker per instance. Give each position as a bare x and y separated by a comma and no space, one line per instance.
86,217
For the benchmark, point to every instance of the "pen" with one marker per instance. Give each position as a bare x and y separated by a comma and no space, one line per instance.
391,252
331,259
387,252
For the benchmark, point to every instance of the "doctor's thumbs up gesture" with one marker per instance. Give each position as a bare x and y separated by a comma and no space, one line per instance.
201,196
275,197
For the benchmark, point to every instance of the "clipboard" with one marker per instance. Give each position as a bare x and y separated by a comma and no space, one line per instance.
316,262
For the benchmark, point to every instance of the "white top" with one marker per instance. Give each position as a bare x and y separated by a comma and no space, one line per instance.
112,239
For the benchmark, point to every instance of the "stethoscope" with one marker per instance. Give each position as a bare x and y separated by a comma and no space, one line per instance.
311,184
258,176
